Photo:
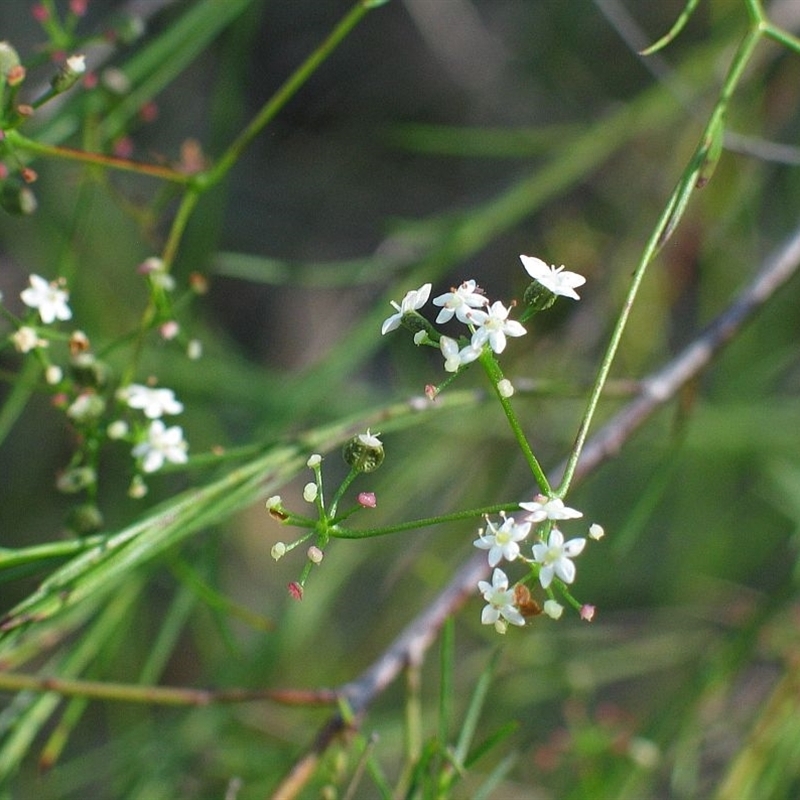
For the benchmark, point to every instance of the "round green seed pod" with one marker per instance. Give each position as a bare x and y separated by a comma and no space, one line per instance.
364,453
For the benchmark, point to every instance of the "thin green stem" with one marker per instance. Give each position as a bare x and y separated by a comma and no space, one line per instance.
338,532
666,224
285,93
16,140
492,369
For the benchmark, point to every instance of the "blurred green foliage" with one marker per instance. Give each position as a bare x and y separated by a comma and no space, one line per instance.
415,156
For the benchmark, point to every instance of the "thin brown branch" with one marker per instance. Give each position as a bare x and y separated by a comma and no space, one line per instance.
655,390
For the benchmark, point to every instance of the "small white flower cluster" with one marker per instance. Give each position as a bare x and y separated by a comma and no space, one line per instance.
157,444
154,444
551,557
488,322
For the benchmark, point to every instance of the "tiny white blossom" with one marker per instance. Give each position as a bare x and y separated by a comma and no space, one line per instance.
314,460
596,532
500,600
370,439
274,502
553,609
505,388
315,555
413,301
459,302
26,339
502,541
493,327
310,492
555,555
543,508
455,358
154,402
48,298
557,280
162,444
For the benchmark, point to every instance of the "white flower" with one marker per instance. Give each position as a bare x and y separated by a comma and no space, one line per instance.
117,429
153,402
555,279
370,439
493,327
26,339
459,301
502,542
555,557
48,298
500,601
314,460
53,374
162,444
548,508
310,492
411,302
454,358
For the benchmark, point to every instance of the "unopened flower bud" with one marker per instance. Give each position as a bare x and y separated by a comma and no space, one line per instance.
367,499
53,375
278,550
138,488
596,531
9,59
314,460
364,453
505,388
295,590
17,198
194,350
587,612
76,479
117,429
87,407
310,492
78,343
85,519
553,609
69,74
275,508
539,297
315,555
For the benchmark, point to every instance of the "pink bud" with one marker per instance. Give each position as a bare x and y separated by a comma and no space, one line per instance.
169,330
367,499
40,13
587,612
296,590
431,391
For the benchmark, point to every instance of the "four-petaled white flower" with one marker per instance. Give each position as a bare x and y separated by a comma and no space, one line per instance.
152,401
555,555
543,508
48,298
459,302
162,444
502,542
557,280
493,326
413,300
454,358
500,601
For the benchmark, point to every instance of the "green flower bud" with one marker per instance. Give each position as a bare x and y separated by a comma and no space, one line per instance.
85,519
16,198
364,453
538,297
76,479
69,74
9,59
